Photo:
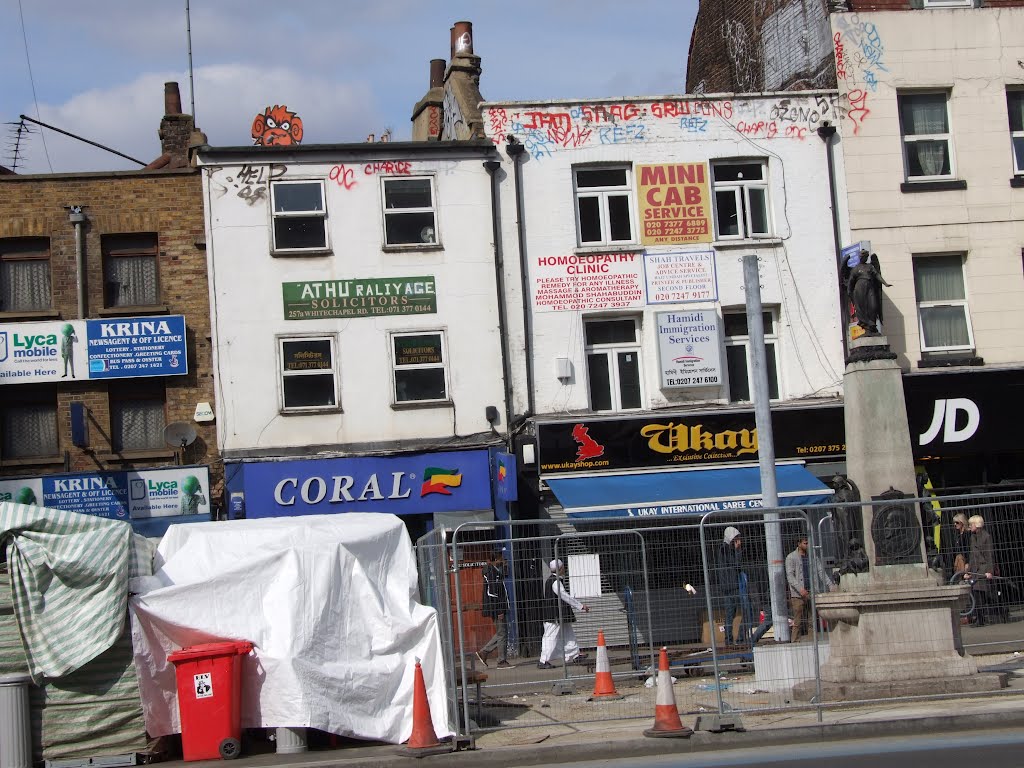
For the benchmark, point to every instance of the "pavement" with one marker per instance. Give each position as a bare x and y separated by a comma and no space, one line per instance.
555,738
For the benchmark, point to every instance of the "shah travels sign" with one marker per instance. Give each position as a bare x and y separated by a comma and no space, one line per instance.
673,440
138,497
448,481
674,203
77,350
364,297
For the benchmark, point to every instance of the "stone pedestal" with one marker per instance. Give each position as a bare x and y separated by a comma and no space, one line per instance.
895,630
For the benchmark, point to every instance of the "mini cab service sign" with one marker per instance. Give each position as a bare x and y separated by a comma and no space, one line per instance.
675,205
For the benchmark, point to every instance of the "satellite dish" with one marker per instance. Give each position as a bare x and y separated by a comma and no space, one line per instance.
179,434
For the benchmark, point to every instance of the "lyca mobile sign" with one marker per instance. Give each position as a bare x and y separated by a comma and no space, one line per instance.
92,349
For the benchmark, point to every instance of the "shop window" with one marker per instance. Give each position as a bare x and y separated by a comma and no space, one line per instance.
24,274
604,212
28,422
137,415
942,310
741,199
613,364
420,367
309,379
1015,108
927,145
300,216
130,270
738,356
409,216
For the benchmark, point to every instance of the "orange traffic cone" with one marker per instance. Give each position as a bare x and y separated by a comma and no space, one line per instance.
666,716
423,740
604,685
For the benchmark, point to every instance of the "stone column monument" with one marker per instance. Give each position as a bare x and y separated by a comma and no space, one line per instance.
894,630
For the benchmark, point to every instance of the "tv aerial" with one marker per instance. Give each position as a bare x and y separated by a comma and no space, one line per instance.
179,435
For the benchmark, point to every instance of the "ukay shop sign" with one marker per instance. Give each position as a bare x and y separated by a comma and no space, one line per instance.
688,349
121,348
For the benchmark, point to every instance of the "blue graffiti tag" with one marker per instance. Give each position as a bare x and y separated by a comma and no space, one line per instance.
693,124
621,134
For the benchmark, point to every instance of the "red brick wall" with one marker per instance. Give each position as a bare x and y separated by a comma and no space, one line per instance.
168,203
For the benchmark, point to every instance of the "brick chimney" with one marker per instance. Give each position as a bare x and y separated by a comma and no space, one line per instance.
176,132
428,114
458,86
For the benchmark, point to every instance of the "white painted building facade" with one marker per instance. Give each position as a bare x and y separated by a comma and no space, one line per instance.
354,305
637,214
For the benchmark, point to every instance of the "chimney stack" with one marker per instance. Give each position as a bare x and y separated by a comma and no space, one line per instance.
176,132
462,38
172,99
437,73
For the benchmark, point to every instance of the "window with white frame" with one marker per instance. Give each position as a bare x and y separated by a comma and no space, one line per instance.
300,215
24,274
741,199
409,217
137,415
309,379
948,3
604,211
927,144
942,311
1015,108
130,270
738,358
28,422
420,367
613,363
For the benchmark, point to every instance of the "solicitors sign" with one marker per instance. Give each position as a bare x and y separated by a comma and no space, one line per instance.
369,297
79,350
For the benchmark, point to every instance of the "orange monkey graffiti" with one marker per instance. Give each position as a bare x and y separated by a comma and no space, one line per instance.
276,126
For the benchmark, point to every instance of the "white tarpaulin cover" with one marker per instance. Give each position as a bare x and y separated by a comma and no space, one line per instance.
329,602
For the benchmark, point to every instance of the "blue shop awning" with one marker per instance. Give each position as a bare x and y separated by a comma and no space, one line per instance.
688,492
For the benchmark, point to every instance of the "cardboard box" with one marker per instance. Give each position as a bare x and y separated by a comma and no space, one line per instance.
705,632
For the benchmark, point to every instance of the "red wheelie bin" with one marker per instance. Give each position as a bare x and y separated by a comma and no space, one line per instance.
209,698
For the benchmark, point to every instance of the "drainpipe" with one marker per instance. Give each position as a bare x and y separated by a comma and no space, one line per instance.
77,218
826,131
515,151
492,167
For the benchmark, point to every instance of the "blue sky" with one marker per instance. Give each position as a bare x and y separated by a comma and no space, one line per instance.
347,68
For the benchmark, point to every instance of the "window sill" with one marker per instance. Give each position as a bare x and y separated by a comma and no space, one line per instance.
610,248
126,457
406,247
28,315
303,252
950,361
313,411
933,186
1017,182
33,461
757,242
415,404
148,309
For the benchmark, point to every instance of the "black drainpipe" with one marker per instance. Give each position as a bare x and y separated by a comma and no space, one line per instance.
515,150
826,131
492,167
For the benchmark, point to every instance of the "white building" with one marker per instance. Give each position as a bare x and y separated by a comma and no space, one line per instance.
934,148
355,314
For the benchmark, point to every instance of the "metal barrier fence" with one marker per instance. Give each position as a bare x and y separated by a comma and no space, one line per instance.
740,637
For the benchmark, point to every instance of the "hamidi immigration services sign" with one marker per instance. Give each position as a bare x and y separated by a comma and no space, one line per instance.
87,350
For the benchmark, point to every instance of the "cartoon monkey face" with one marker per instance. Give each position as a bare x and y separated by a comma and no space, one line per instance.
276,126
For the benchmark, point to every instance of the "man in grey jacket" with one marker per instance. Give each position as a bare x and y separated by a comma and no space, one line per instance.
799,567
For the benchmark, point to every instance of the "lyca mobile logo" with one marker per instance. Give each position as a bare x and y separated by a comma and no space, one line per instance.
944,417
31,345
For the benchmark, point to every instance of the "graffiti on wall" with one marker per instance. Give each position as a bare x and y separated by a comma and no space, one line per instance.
860,62
249,183
276,126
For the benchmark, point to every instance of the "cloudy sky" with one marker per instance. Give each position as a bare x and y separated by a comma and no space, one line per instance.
347,68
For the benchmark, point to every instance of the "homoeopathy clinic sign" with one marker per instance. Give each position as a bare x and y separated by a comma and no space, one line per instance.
149,499
688,349
368,297
674,204
83,350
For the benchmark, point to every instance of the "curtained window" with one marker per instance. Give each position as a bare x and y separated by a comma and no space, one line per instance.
137,415
28,422
927,145
942,310
1015,109
130,270
24,274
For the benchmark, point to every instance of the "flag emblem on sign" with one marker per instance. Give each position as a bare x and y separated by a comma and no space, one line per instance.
502,472
436,480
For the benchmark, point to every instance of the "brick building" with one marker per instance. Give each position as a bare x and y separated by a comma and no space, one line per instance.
136,327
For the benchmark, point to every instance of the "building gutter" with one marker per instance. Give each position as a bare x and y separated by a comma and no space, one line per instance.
515,151
492,167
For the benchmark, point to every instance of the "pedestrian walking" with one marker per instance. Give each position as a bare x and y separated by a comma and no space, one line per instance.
558,620
496,606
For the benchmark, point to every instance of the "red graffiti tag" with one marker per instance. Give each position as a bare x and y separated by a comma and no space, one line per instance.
858,108
434,122
343,175
395,168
